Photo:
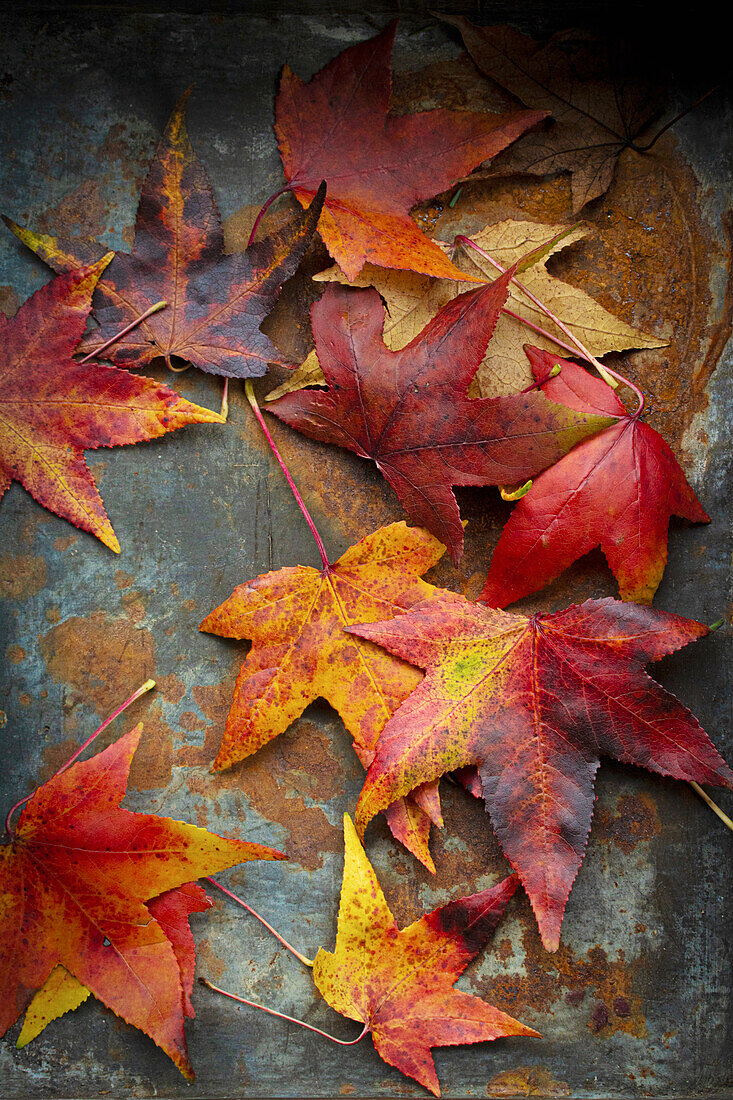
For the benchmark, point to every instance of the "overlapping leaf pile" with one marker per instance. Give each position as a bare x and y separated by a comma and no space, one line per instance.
430,381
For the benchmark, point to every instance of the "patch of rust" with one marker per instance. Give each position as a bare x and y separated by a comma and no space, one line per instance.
635,820
526,1081
21,576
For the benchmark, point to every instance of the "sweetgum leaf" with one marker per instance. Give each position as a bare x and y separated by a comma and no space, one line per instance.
535,703
74,882
296,619
409,412
377,166
216,302
399,983
617,491
52,408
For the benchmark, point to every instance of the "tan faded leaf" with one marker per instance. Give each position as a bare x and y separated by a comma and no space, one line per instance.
412,300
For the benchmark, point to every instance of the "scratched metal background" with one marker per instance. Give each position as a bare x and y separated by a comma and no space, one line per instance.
637,1002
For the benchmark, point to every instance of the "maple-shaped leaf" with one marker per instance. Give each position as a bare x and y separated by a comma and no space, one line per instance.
595,116
399,983
52,408
377,166
409,411
412,300
296,619
535,703
74,880
617,491
62,992
216,302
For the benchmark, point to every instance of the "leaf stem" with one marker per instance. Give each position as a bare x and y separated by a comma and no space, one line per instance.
716,809
301,503
655,139
147,686
290,1019
123,332
225,399
608,375
265,205
284,942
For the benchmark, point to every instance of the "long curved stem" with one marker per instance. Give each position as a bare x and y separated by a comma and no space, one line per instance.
290,1019
284,942
265,205
606,373
147,686
123,332
301,503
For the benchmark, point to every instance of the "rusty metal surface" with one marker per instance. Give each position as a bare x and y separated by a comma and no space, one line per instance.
637,1001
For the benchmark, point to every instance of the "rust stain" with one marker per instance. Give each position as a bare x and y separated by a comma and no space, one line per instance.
82,212
267,779
134,604
527,1081
9,300
53,615
613,1007
102,659
15,654
152,764
24,699
21,576
63,542
171,687
123,579
187,720
635,820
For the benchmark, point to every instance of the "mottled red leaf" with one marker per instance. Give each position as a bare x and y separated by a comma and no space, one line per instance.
75,878
408,410
535,703
378,166
52,408
216,302
617,491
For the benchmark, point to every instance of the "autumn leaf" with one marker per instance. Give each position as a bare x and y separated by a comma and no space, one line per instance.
74,880
296,619
412,300
378,166
216,302
52,408
617,491
62,992
594,118
535,703
408,410
399,983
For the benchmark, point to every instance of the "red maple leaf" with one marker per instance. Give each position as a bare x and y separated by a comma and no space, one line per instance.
617,491
378,166
75,878
52,408
535,703
408,410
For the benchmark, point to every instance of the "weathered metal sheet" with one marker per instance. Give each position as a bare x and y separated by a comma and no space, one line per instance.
637,1002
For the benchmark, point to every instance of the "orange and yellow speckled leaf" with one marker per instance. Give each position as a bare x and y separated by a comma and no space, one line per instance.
399,983
296,619
535,703
75,881
216,302
52,408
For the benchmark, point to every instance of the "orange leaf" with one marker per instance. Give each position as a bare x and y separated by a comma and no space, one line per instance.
378,166
399,983
74,881
52,408
296,619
